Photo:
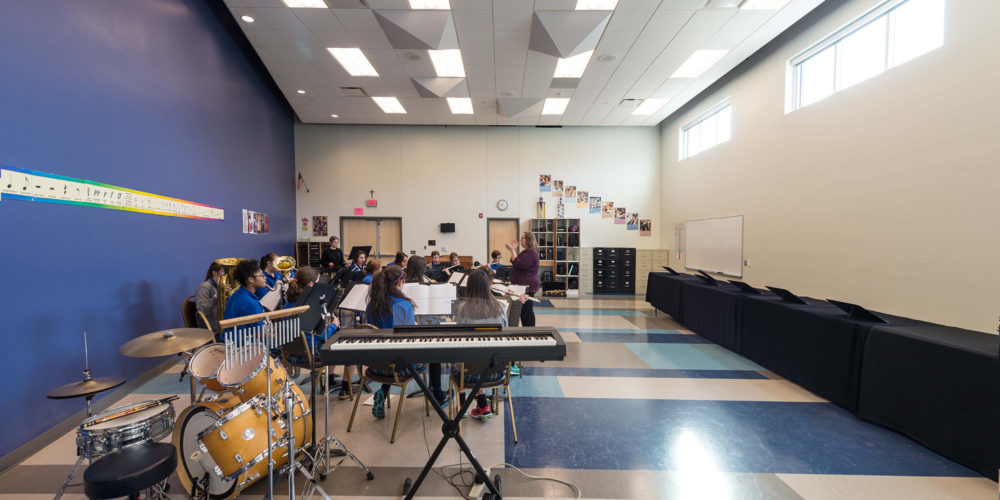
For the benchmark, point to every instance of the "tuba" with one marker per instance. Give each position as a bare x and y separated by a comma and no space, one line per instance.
227,283
285,264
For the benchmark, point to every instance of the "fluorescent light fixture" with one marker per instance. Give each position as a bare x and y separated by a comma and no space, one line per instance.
555,105
447,62
596,4
430,4
389,105
763,4
699,62
353,61
572,67
334,116
247,19
305,4
649,106
460,105
301,91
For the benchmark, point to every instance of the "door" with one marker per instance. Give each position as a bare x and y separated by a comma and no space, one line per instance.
384,235
498,233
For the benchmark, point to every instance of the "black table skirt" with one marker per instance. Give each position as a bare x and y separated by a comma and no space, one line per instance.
663,291
713,312
939,385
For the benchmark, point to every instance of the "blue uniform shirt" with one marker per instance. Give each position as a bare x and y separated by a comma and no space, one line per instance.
367,279
243,303
495,265
402,314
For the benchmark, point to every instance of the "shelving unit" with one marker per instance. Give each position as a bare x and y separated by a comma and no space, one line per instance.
559,249
648,261
309,252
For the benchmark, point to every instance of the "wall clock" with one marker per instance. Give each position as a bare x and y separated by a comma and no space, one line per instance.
501,205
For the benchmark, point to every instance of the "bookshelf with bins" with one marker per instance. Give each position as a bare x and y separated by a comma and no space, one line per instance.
308,253
559,249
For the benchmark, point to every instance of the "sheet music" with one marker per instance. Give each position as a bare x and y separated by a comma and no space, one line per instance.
430,299
271,299
456,278
357,299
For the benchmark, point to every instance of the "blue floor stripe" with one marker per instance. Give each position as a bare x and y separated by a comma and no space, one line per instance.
591,312
166,383
691,357
642,338
557,371
622,331
724,436
536,386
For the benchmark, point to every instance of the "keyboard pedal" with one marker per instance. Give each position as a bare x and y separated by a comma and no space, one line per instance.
477,489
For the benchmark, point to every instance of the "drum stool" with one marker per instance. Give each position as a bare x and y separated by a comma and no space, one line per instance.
128,471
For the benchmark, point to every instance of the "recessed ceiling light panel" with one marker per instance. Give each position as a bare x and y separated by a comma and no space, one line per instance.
649,106
389,105
305,4
353,61
596,4
301,91
460,105
447,63
572,67
247,19
699,62
430,4
555,105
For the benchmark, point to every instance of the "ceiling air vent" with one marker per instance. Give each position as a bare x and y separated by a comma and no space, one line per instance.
630,103
353,91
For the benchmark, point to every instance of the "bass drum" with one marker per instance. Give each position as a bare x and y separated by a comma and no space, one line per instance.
193,465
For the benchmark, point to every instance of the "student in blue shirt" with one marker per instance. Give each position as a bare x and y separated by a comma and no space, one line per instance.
298,291
358,264
244,301
372,266
400,260
388,307
271,274
496,262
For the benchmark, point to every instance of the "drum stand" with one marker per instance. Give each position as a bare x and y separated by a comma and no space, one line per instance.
79,458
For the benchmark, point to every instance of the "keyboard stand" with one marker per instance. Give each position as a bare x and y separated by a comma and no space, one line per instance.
450,429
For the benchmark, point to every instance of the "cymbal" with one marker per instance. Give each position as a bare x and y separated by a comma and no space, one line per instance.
85,387
166,342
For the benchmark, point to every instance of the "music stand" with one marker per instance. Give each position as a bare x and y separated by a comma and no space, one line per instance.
671,271
367,249
319,295
786,296
745,288
857,312
707,278
503,273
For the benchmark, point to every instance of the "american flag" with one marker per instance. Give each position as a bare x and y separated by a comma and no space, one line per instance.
302,183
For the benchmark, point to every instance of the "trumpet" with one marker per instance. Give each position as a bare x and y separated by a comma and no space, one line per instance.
285,264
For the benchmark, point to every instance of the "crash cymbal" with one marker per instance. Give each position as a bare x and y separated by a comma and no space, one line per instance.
85,387
166,342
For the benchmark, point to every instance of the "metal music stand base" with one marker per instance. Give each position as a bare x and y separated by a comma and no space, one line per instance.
451,430
79,459
330,447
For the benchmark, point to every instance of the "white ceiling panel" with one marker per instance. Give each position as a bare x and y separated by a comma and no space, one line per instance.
642,44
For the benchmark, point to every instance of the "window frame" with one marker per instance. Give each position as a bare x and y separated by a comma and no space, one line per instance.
684,130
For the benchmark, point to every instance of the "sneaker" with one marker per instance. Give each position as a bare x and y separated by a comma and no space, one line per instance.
443,398
378,406
482,412
515,371
344,392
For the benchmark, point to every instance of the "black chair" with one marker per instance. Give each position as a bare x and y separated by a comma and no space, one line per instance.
131,470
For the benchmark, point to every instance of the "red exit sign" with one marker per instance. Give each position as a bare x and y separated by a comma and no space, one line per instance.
371,203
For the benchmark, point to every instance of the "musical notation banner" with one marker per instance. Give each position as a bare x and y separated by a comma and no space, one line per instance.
29,185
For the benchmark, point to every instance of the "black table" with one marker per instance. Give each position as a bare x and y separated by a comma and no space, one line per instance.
713,312
939,385
663,291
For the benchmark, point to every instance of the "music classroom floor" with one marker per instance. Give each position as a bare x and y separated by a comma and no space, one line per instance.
640,409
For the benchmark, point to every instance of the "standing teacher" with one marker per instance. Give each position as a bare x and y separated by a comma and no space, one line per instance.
524,259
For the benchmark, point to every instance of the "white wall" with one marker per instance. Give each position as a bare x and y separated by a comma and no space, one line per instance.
428,175
885,194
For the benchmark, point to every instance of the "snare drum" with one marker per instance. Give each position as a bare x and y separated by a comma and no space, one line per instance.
192,463
144,426
249,378
205,364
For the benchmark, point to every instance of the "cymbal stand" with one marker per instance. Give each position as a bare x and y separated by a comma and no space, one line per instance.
90,412
322,460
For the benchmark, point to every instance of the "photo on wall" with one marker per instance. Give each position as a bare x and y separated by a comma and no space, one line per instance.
607,209
582,199
619,215
645,227
319,225
545,183
244,225
595,204
557,188
569,192
632,224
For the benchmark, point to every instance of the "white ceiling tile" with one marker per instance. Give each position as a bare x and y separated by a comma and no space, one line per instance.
511,20
517,40
380,55
555,4
475,40
278,19
387,4
357,19
527,121
314,54
616,42
682,4
477,57
285,54
265,3
370,39
318,19
482,93
638,4
266,38
513,4
539,59
332,38
669,20
472,5
301,69
629,20
738,28
233,3
510,57
299,38
473,20
479,70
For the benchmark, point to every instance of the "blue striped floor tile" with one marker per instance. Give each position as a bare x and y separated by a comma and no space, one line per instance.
166,383
642,338
557,371
724,436
691,357
536,386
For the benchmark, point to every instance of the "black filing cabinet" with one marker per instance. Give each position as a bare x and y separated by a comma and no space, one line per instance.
614,270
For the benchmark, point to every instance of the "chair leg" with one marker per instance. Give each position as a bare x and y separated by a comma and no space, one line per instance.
427,403
510,411
399,410
357,401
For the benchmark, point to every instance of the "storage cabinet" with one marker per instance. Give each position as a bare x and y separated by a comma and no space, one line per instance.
558,250
308,253
614,270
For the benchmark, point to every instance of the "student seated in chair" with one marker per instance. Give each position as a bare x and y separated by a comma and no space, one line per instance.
480,308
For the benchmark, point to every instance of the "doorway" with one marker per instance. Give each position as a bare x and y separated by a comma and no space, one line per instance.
383,234
498,233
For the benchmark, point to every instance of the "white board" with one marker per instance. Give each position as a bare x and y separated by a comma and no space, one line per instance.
715,245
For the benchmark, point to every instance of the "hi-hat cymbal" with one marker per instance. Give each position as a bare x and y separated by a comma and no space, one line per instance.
85,387
166,342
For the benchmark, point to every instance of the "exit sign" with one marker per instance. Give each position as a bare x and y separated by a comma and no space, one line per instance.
371,203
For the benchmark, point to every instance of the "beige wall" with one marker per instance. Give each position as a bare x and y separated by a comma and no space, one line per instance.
428,175
886,194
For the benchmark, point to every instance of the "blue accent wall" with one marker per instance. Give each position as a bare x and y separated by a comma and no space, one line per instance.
149,95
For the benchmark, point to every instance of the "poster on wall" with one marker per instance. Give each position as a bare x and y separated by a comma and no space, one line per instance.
619,215
632,224
545,183
244,219
582,199
557,189
645,227
607,210
595,204
305,224
569,192
319,225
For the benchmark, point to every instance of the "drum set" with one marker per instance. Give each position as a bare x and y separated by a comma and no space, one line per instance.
250,421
